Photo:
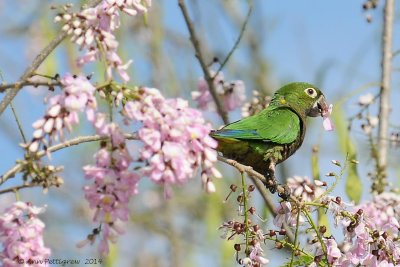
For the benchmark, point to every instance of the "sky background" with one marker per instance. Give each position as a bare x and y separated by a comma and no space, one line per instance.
324,42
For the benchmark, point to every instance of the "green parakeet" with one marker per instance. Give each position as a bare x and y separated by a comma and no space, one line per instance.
271,136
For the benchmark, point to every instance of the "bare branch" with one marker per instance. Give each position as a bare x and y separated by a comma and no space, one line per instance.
237,40
4,87
199,55
17,188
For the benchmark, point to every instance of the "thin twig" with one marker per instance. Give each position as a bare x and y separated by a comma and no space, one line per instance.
76,141
17,188
246,215
268,201
35,65
384,105
239,38
4,87
20,129
199,55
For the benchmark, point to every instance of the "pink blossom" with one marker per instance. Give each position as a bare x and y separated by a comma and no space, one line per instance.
93,29
304,188
333,251
77,95
113,183
176,140
21,235
256,255
285,214
327,123
371,235
232,94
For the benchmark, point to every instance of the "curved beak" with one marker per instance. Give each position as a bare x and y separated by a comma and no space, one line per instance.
320,108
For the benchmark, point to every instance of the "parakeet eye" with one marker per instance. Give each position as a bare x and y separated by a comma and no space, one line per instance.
311,92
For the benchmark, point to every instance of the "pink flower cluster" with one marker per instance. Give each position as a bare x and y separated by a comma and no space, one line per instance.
374,239
93,29
232,94
113,184
176,140
21,236
286,215
63,110
371,232
304,188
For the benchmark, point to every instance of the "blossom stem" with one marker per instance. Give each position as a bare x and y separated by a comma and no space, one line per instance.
246,219
314,204
337,179
270,205
314,227
296,234
288,244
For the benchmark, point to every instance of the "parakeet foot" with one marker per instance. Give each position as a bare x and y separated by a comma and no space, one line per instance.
283,192
271,182
273,186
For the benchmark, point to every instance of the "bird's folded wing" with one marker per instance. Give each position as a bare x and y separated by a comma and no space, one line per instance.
280,125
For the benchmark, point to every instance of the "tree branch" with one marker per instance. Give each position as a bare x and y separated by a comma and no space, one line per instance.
35,65
17,188
384,105
76,141
199,55
4,87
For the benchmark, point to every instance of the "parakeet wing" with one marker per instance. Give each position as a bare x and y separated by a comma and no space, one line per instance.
279,125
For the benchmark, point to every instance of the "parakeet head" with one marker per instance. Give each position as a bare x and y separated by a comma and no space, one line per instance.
304,98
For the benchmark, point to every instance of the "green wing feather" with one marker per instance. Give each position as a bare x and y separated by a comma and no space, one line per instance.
279,125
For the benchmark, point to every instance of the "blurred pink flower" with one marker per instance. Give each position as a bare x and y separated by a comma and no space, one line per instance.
232,94
371,234
21,235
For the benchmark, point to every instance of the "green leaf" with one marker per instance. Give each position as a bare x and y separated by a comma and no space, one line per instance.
353,181
315,163
112,257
